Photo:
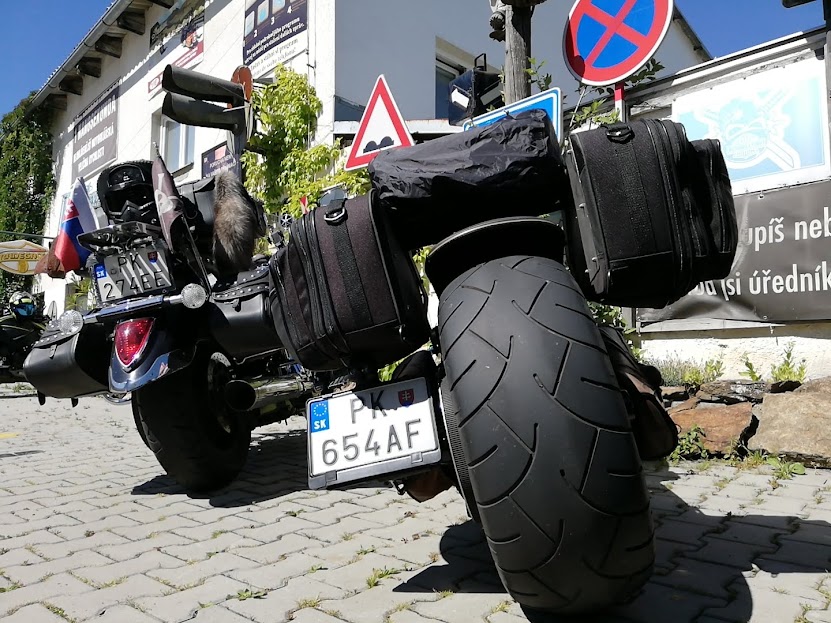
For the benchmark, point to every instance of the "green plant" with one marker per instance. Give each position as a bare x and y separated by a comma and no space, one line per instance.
541,80
378,575
696,376
247,593
610,316
286,167
785,470
690,446
788,369
750,371
309,602
27,184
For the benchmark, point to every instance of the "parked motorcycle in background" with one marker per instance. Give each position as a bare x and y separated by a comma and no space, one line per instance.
20,328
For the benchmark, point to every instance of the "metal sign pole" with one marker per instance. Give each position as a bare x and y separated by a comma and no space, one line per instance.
620,101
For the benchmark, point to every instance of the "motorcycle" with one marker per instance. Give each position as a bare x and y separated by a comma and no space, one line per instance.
17,337
513,400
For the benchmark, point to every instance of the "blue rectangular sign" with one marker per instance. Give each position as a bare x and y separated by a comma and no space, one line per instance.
550,101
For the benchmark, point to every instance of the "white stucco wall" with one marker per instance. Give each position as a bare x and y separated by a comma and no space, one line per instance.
764,346
398,39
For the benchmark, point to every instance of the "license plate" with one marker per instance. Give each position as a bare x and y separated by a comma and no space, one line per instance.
132,273
360,435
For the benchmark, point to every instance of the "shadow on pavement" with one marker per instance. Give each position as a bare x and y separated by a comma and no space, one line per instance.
704,559
276,466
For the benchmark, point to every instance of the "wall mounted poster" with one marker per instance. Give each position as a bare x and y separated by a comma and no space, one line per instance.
773,125
275,32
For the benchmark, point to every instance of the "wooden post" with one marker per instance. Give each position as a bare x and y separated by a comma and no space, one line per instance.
517,53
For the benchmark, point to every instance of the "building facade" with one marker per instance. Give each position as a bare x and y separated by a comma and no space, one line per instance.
107,95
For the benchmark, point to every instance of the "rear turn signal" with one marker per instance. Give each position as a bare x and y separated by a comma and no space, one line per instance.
131,337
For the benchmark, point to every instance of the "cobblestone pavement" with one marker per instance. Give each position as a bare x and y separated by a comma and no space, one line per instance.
91,530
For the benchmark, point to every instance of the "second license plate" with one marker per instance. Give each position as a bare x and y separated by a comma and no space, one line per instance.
359,435
131,273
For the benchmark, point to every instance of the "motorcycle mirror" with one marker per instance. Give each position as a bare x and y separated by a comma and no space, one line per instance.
189,111
201,86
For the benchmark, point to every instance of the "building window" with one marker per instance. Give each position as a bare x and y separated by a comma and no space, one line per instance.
178,141
445,74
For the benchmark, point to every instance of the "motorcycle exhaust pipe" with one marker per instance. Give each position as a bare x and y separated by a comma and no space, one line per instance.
250,395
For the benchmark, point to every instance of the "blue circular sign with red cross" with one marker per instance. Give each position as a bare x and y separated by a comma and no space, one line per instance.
607,41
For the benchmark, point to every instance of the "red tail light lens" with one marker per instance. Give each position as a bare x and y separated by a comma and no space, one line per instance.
131,337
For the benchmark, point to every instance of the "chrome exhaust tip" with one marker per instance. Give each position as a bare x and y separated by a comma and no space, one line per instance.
243,395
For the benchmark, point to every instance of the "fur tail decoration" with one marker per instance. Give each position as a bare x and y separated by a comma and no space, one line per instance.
237,225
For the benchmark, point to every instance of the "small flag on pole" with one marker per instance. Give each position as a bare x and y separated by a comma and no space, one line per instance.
168,201
66,253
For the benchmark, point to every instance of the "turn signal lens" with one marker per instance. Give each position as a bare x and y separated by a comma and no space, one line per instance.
131,337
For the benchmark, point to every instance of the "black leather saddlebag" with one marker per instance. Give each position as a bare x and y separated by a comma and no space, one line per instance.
64,366
240,315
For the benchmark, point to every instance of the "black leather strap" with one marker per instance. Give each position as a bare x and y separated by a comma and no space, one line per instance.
336,218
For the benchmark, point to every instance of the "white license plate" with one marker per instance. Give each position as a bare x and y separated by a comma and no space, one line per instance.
357,435
132,273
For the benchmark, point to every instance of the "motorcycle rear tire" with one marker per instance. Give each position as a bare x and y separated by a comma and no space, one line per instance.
177,419
545,437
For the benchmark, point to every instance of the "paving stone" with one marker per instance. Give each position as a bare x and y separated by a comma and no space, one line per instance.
755,604
277,605
810,556
87,529
87,605
218,614
61,584
202,549
334,513
790,580
214,529
97,542
807,532
740,532
286,525
667,553
191,574
730,553
369,606
684,531
277,574
145,562
655,601
123,614
312,615
29,574
19,556
354,576
274,551
460,607
349,527
128,550
142,531
35,613
818,616
339,554
181,605
39,537
699,577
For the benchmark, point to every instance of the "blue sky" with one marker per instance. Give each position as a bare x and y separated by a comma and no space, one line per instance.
38,35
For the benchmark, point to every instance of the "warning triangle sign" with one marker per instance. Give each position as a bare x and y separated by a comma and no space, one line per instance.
382,127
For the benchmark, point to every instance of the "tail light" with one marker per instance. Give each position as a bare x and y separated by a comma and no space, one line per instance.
131,337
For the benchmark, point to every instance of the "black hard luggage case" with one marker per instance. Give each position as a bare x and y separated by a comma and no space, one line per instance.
513,167
345,291
639,234
70,366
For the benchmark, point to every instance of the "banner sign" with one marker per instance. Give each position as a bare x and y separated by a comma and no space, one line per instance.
20,256
95,142
773,125
275,31
782,270
220,158
174,20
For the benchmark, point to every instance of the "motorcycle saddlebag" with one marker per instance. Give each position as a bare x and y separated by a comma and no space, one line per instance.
240,315
346,293
70,366
513,167
649,221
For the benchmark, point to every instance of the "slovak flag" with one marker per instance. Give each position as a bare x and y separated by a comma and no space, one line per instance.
66,253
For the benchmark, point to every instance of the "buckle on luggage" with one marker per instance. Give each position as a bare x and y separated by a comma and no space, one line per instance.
335,216
619,133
